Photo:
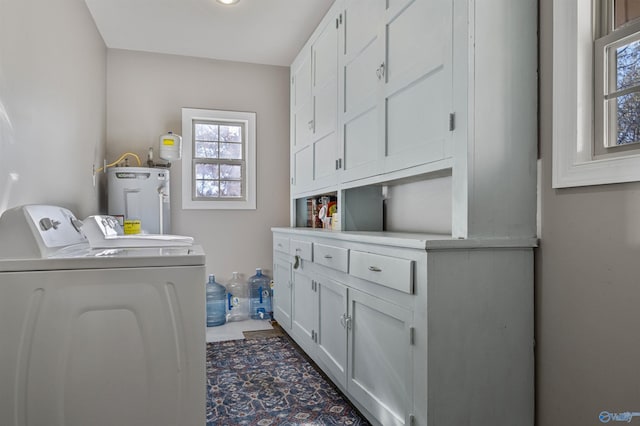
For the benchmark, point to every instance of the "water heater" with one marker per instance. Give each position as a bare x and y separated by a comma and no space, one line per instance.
139,198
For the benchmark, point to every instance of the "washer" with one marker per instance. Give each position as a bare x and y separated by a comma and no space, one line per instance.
92,336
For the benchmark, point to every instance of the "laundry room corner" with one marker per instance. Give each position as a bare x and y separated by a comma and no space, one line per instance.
146,92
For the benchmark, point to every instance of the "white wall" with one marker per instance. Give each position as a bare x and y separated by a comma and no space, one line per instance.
146,92
420,206
587,286
52,104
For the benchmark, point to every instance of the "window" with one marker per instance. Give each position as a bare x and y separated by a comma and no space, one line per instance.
218,170
617,77
596,92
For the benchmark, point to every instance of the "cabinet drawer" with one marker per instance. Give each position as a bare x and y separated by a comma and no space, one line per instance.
392,272
281,244
304,249
333,257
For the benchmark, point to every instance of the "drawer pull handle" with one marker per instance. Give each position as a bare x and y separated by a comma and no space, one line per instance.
328,256
374,269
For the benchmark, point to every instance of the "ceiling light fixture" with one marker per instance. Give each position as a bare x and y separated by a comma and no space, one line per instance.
228,2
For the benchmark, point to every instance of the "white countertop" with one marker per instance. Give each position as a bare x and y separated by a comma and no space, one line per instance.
412,240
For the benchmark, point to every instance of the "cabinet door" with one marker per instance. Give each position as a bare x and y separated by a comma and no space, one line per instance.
302,101
325,104
380,357
282,292
301,123
332,333
304,316
361,112
418,82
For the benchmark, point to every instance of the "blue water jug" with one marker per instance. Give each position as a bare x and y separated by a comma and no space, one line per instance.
260,296
216,295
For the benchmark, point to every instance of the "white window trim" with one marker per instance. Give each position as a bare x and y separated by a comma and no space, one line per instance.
249,120
573,158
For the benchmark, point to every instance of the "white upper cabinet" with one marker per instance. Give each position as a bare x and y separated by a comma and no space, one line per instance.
301,121
325,95
314,109
387,91
361,115
418,77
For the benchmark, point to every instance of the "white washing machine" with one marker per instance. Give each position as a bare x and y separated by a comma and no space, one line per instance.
95,336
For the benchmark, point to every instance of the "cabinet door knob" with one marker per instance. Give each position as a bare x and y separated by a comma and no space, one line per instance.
374,269
343,320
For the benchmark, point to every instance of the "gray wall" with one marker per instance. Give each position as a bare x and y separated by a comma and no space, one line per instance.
587,286
146,92
52,104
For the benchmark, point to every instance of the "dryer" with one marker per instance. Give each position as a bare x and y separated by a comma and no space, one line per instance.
97,336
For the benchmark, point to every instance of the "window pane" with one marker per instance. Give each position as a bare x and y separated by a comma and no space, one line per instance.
628,65
231,151
230,188
206,132
626,11
207,188
207,171
229,171
628,118
206,149
231,133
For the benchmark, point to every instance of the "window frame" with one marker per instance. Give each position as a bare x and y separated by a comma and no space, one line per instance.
574,160
605,75
248,121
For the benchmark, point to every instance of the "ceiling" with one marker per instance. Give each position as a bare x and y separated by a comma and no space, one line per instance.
257,31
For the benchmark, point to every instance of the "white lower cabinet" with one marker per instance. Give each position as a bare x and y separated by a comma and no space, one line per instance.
380,357
282,291
304,318
332,328
416,330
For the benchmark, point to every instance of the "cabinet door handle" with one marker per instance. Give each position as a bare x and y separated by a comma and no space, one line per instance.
328,256
310,124
296,263
343,320
382,70
374,269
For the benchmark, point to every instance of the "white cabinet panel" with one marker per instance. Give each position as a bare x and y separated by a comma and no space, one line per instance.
303,168
305,311
302,80
362,21
324,159
326,111
282,291
418,83
361,146
325,56
418,38
417,124
332,333
361,112
303,121
381,358
362,84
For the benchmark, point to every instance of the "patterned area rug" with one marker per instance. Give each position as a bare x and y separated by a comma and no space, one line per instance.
268,382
